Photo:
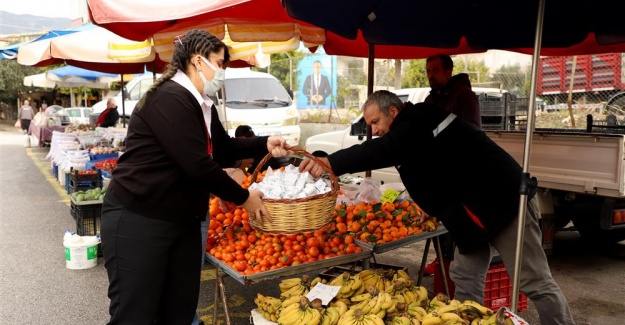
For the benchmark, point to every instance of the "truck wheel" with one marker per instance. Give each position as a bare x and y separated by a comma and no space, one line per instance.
587,222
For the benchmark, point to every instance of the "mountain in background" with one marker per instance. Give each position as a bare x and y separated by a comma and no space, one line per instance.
22,24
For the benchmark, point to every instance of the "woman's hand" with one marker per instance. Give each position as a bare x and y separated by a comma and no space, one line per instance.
315,169
255,207
278,146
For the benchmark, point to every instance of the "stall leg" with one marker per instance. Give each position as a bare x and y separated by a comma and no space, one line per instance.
424,260
439,255
220,293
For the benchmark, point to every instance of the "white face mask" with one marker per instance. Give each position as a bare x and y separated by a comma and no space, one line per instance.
213,86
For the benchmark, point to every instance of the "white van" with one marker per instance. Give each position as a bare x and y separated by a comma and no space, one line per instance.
253,98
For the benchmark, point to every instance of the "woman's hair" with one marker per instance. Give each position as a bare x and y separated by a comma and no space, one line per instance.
384,99
186,46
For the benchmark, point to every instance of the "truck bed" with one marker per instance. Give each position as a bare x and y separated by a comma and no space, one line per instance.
571,160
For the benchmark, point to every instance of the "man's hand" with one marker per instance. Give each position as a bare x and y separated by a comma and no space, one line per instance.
315,169
317,99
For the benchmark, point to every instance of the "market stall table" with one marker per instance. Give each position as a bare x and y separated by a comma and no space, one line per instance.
363,257
44,133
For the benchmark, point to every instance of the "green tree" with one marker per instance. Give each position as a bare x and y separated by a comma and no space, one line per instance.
477,70
280,65
414,75
512,79
12,79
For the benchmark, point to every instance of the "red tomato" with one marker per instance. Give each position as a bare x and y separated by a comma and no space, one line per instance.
240,265
313,251
312,242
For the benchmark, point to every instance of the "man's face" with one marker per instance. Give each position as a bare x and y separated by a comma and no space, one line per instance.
380,123
317,68
438,76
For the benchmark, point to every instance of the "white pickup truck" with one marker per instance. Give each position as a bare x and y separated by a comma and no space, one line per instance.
581,175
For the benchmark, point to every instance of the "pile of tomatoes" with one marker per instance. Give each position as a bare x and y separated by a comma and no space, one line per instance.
233,241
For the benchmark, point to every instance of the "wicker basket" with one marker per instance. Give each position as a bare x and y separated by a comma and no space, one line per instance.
298,215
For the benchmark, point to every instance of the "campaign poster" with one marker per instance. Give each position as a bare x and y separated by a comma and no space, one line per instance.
317,80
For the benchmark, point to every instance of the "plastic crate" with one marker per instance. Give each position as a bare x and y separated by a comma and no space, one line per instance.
87,215
498,289
78,182
55,170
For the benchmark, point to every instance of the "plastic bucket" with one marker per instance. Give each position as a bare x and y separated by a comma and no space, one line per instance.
79,256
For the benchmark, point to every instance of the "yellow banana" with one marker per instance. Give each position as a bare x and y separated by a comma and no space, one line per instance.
403,274
333,314
375,304
287,284
423,293
484,310
446,309
291,300
451,317
341,307
374,319
316,317
315,281
361,297
357,283
290,316
388,301
434,320
347,318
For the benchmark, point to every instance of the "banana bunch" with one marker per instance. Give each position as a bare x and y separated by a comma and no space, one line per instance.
299,313
405,291
268,306
294,286
358,317
400,274
340,305
377,278
330,315
373,302
453,312
316,280
350,285
403,315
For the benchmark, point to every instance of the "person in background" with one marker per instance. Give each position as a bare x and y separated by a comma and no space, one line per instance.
317,87
109,116
476,199
453,94
160,189
26,114
250,164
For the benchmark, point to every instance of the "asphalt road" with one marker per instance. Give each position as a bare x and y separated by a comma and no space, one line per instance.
37,288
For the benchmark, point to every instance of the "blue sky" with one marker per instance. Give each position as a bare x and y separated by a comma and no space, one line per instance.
45,8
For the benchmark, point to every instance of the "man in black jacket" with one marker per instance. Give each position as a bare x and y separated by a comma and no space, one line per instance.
109,116
468,182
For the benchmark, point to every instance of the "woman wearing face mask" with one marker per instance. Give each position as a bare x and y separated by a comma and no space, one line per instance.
150,224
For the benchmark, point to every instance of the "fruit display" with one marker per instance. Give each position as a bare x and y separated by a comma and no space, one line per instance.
380,223
102,150
106,165
89,195
235,243
370,297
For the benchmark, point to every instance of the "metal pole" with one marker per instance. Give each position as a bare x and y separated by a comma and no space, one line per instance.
526,157
123,101
370,81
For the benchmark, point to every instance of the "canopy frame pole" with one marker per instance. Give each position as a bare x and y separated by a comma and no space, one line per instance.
527,181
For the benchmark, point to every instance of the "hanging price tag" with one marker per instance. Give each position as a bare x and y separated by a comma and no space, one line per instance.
324,292
390,196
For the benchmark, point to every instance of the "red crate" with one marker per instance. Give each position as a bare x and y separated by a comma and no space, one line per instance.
498,289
